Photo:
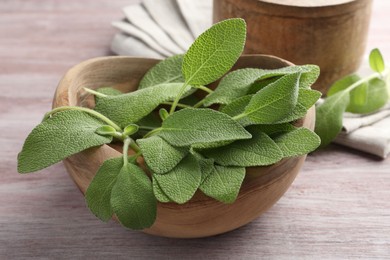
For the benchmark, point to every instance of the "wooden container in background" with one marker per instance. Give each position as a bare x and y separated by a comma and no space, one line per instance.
329,33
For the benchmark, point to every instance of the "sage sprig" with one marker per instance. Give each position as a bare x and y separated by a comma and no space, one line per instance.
355,95
187,146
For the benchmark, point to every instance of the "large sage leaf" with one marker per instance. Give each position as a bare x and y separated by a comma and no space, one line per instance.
275,101
166,71
132,198
181,183
191,126
159,155
223,183
98,194
132,107
65,133
214,52
259,151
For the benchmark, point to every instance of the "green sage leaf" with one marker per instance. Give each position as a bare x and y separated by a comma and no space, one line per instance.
158,192
98,194
65,133
166,71
181,183
275,101
223,183
329,117
299,141
132,198
214,52
132,107
130,129
160,156
106,130
376,61
191,126
261,150
237,107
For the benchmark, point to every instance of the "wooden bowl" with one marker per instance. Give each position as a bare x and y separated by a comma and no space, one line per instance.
329,33
201,216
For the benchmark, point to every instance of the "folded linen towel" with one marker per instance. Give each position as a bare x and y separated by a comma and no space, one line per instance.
158,29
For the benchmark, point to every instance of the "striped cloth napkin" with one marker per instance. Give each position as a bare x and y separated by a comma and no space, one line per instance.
159,29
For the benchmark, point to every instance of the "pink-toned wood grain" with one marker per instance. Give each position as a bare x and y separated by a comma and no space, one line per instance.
338,207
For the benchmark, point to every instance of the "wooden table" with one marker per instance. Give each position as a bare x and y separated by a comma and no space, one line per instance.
338,207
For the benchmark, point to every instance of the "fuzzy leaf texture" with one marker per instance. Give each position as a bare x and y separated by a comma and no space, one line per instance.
241,82
214,52
329,117
132,107
275,101
191,126
98,195
223,183
181,183
166,71
261,150
159,155
132,198
56,138
158,192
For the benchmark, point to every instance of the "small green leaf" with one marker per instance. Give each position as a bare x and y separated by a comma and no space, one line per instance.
329,117
132,107
163,114
166,71
214,52
299,141
261,150
63,134
358,95
106,130
223,183
377,97
235,84
158,192
275,101
191,126
132,198
376,61
159,155
130,129
181,183
98,194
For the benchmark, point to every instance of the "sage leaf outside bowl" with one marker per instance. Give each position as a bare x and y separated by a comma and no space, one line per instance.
201,216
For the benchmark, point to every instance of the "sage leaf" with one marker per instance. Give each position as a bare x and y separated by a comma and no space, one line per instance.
237,107
132,107
377,97
106,130
65,133
342,84
376,61
159,155
329,117
166,71
214,52
132,198
299,141
109,91
98,194
191,126
206,165
181,183
261,150
130,129
234,84
358,95
158,192
275,101
223,183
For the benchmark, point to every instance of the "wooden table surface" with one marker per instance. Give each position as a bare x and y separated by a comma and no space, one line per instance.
337,208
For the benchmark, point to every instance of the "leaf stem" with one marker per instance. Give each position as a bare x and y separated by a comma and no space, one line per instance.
363,80
204,88
84,109
176,101
98,94
154,131
126,144
239,116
